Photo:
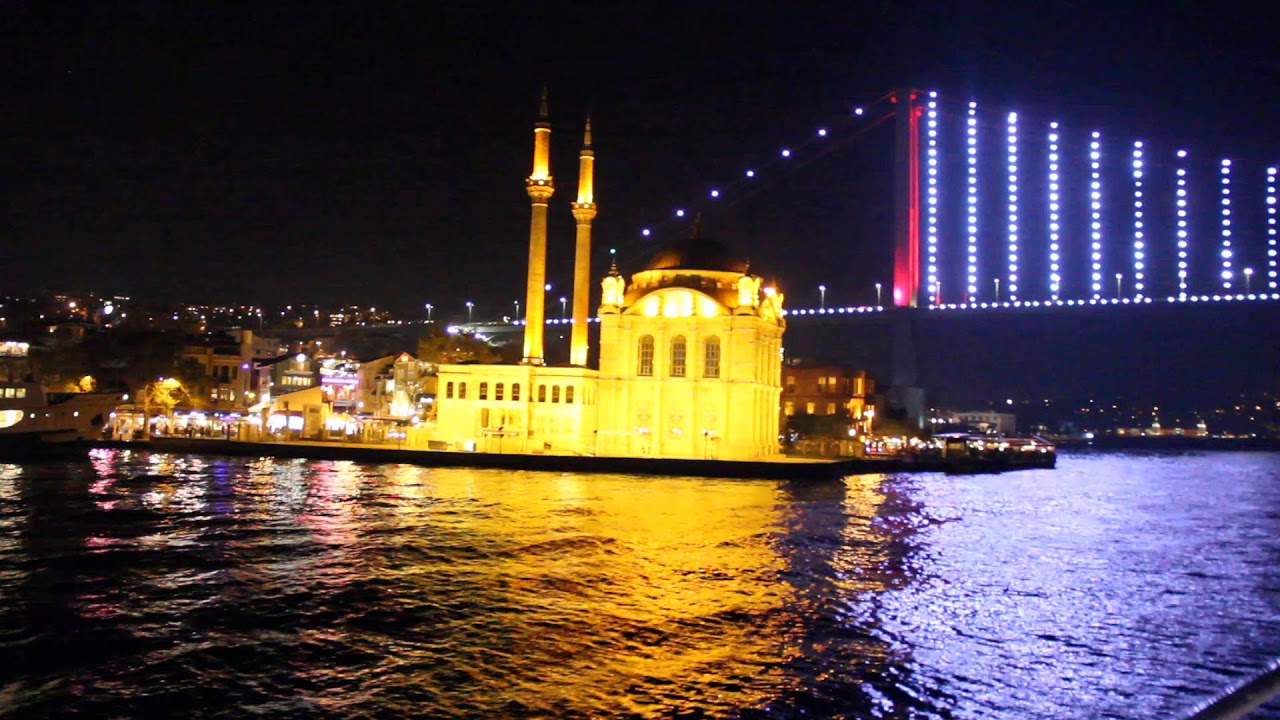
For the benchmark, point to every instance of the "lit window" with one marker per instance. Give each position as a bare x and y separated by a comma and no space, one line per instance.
568,394
831,408
789,408
462,391
811,408
555,393
711,358
646,356
515,391
448,391
497,391
677,356
822,384
484,391
542,393
791,383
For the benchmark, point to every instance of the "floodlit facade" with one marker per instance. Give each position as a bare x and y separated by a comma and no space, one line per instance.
690,356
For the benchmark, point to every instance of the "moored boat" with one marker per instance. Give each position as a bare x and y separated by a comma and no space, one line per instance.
32,420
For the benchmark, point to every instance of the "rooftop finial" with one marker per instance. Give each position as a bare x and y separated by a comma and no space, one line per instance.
586,137
543,113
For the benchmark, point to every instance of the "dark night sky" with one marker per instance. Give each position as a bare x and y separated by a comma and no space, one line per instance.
375,153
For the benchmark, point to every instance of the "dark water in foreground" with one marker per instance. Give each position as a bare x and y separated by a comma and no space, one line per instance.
1117,586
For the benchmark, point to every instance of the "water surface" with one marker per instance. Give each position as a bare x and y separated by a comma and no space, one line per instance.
1116,586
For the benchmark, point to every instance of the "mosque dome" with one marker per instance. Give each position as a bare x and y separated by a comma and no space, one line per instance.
696,253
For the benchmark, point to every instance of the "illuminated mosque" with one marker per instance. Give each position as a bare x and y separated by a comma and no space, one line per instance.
689,363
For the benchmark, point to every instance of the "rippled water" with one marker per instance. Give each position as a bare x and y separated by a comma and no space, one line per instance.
148,585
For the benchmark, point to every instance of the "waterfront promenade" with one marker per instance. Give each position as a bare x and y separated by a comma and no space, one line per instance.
780,467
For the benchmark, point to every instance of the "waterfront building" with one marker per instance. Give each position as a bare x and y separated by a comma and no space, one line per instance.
689,360
400,386
226,363
827,389
984,421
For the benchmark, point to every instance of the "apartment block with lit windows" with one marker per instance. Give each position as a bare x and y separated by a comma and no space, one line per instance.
825,389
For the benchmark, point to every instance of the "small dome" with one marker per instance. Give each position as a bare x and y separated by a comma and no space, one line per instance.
696,253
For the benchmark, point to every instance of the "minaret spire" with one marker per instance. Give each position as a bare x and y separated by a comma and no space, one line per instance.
540,187
584,211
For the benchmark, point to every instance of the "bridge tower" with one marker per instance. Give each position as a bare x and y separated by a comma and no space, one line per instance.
540,188
907,289
905,394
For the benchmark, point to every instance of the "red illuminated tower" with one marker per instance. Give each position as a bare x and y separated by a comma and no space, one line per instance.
907,290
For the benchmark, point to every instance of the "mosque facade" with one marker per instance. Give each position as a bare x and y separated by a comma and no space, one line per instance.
689,364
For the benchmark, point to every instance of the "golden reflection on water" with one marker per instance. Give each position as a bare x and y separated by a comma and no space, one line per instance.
625,582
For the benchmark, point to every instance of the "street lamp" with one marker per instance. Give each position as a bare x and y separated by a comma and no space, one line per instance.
878,303
823,290
1119,281
563,305
1248,276
517,304
317,318
470,305
997,289
429,307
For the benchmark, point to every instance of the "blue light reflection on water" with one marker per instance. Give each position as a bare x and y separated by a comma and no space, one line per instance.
1118,585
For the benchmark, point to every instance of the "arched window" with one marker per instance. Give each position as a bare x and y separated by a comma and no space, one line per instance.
542,393
497,391
568,394
448,391
711,358
555,393
462,391
677,356
515,391
645,360
484,391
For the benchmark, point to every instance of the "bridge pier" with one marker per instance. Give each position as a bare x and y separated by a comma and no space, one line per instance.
905,394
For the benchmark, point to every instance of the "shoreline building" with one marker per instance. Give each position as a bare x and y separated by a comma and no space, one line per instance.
690,353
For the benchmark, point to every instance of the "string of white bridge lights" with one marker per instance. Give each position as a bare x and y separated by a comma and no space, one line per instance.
1016,237
756,174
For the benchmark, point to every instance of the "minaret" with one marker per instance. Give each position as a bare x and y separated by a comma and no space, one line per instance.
540,188
584,211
